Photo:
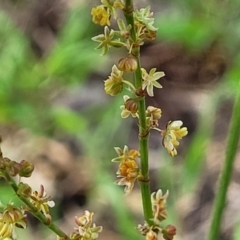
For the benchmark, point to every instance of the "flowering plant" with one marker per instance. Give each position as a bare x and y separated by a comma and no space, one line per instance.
133,31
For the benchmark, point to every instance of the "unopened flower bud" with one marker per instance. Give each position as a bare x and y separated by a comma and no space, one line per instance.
128,64
131,105
27,169
169,232
153,112
13,168
24,190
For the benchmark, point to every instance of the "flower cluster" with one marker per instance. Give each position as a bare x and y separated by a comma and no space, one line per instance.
128,170
13,216
158,201
86,230
37,203
13,168
114,84
41,201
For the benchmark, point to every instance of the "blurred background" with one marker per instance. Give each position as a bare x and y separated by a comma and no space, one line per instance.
54,112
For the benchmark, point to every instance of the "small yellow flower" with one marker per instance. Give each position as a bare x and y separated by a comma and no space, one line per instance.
154,112
128,171
126,111
107,40
125,154
100,15
145,17
10,218
114,84
41,201
158,205
172,133
153,115
150,80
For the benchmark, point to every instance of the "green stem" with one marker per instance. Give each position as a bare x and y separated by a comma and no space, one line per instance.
225,177
41,217
143,131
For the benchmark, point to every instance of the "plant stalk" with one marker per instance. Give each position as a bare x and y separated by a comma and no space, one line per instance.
143,131
225,176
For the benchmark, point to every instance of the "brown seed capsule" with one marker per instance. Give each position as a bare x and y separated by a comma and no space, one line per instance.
131,105
128,64
169,232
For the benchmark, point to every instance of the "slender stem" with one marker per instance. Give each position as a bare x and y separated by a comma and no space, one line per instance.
41,217
143,131
225,177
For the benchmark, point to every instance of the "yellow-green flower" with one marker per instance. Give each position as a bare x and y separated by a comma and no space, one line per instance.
114,84
128,172
145,17
150,80
100,15
125,154
107,40
171,135
10,218
153,114
158,205
41,201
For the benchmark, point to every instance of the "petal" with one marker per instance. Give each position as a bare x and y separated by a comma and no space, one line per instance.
125,113
150,90
125,98
118,151
159,195
156,84
125,150
158,75
177,123
152,72
51,203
